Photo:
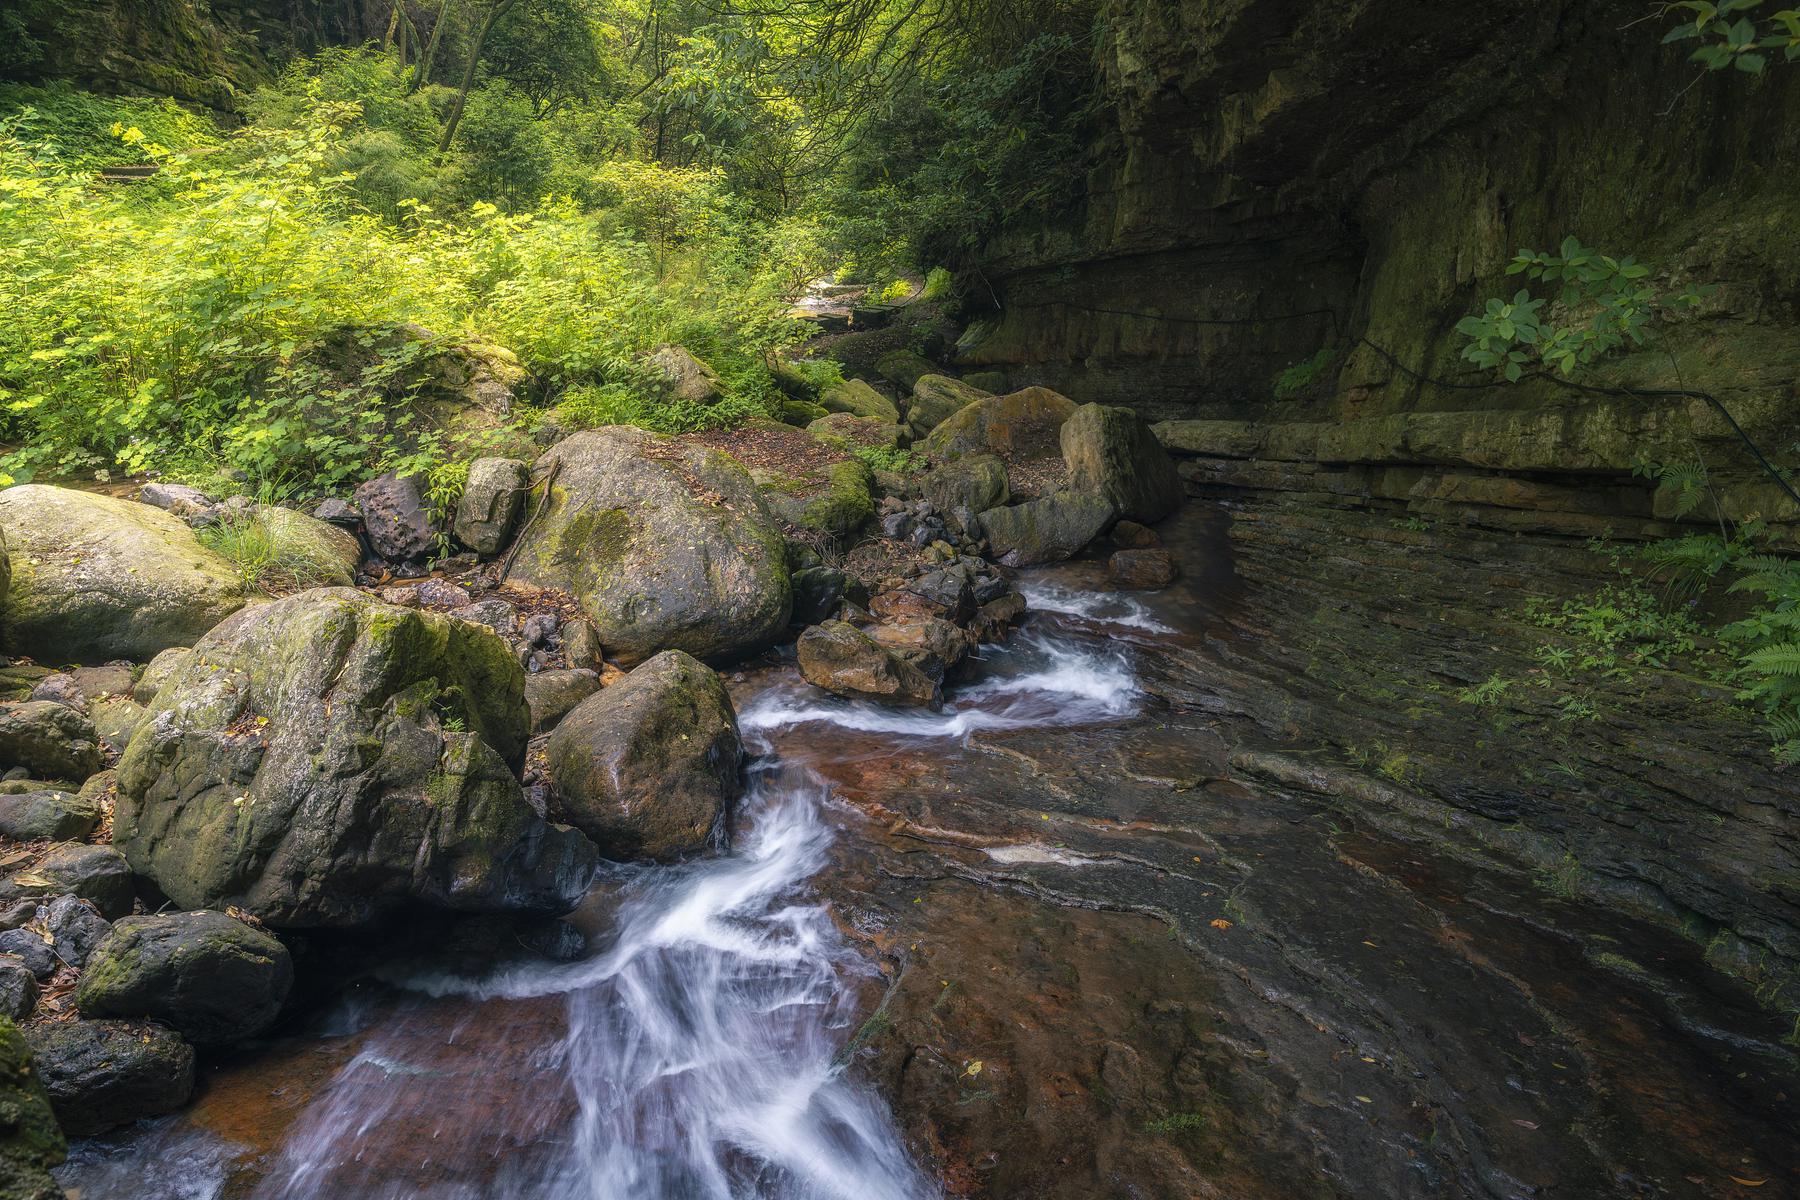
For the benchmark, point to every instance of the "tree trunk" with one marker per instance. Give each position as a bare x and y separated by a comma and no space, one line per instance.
499,9
437,33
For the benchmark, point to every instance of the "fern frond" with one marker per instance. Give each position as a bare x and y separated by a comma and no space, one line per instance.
1782,659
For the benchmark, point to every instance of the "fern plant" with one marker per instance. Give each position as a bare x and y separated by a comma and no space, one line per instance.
1769,641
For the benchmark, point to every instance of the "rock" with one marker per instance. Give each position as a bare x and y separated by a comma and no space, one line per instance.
103,1074
75,928
96,578
18,912
316,553
108,679
210,977
845,661
935,399
18,992
540,629
98,874
935,647
818,594
32,950
945,594
58,815
160,669
1129,535
551,694
493,612
844,506
1024,424
51,740
976,482
685,377
1112,453
1141,568
846,432
17,679
491,503
582,648
60,689
325,760
666,545
396,519
649,767
556,940
176,498
31,1142
1047,530
987,381
798,413
904,367
338,512
116,719
860,400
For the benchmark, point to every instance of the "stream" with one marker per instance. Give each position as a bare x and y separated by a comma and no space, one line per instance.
697,1052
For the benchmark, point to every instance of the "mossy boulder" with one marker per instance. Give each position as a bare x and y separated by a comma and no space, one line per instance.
58,815
1049,529
857,398
935,399
799,413
1113,454
50,740
210,977
649,767
904,367
684,377
847,432
103,1074
31,1142
977,482
1022,424
96,578
327,760
666,545
845,505
98,874
845,661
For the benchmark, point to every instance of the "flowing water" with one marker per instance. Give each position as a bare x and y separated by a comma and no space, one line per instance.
698,1053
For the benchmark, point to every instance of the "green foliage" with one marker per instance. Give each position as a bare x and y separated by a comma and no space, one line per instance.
1620,628
890,458
939,284
1487,693
1730,38
590,407
77,131
1301,376
1601,304
1768,645
262,562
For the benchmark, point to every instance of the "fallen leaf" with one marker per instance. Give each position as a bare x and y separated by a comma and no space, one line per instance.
1365,1099
1741,1182
1525,1124
1219,923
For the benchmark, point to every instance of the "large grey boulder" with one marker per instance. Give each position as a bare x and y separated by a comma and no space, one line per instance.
1112,453
935,399
648,767
317,552
210,977
1022,424
58,814
95,578
51,740
666,545
491,502
103,1074
845,661
977,482
1046,530
326,760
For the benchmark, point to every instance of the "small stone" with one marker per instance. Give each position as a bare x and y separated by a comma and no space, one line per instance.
75,927
338,512
18,913
551,694
61,689
18,988
176,498
818,594
581,645
441,594
403,597
495,613
491,503
31,950
896,525
1129,535
540,629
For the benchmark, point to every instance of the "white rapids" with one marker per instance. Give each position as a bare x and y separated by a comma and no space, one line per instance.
701,1057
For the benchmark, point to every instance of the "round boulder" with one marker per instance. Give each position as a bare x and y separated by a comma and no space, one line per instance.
96,578
103,1074
49,739
210,977
326,759
935,399
1023,424
30,1140
648,767
1111,453
845,661
666,545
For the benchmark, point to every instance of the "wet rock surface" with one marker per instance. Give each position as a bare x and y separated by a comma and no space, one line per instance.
209,977
103,1074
